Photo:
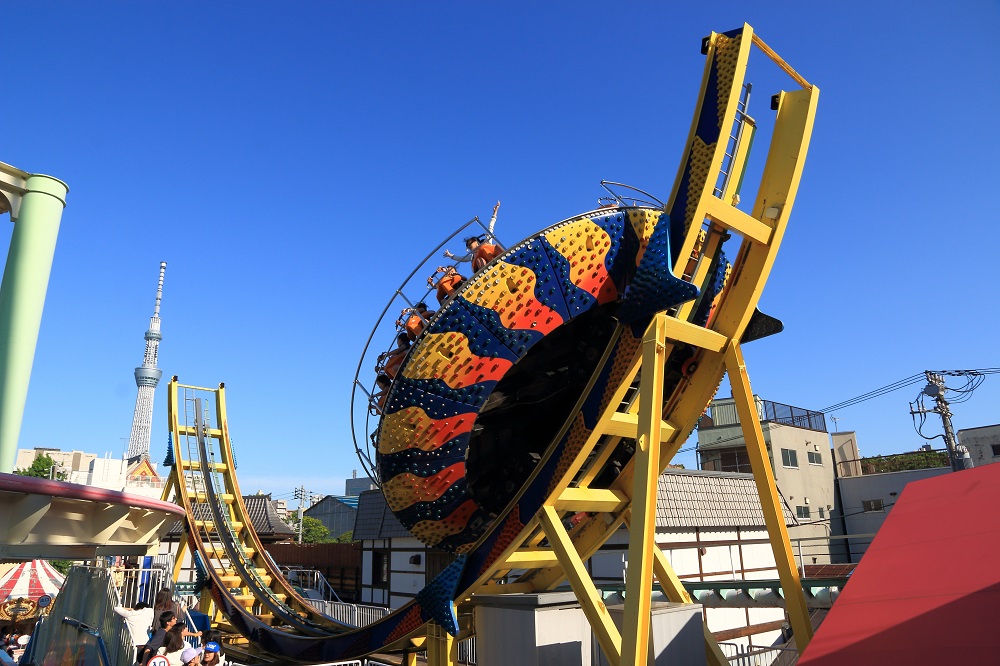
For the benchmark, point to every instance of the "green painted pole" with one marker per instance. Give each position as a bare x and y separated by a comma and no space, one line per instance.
22,298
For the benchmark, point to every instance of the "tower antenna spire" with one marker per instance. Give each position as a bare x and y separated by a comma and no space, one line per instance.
147,376
159,289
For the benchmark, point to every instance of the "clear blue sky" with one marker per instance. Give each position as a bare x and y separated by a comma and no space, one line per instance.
289,160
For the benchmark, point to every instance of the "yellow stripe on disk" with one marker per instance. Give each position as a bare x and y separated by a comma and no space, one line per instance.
509,291
643,223
585,246
447,357
412,428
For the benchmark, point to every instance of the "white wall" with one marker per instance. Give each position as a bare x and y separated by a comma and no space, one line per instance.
980,442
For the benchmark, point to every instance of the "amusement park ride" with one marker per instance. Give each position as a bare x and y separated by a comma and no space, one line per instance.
559,380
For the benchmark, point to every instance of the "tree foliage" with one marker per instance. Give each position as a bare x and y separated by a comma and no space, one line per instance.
313,531
904,461
62,566
40,468
346,537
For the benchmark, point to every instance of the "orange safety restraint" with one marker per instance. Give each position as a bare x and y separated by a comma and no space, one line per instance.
485,253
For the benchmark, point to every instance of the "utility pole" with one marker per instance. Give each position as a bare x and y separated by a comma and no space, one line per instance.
300,495
958,455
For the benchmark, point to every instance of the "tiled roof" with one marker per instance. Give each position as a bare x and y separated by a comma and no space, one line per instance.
375,520
263,516
694,498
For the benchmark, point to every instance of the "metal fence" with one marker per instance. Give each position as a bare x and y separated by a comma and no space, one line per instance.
356,615
810,552
753,655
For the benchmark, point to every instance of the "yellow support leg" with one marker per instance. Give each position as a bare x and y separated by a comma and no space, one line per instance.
760,463
182,545
586,593
674,589
642,530
442,649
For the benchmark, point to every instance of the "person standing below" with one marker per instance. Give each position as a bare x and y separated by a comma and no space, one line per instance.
212,656
138,620
172,648
190,657
165,623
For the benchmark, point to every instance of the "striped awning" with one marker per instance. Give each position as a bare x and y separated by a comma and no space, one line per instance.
30,580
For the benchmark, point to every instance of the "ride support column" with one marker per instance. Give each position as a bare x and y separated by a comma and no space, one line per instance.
22,298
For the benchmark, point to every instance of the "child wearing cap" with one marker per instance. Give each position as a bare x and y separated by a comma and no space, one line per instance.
212,654
190,657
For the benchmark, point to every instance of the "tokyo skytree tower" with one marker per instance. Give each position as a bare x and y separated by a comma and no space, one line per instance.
147,376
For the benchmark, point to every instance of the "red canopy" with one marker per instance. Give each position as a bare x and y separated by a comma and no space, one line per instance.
927,591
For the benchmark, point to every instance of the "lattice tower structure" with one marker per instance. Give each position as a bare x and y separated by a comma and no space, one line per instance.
147,376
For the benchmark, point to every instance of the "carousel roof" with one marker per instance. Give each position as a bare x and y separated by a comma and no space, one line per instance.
30,580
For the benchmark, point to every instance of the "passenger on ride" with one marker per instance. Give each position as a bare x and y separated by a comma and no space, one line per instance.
482,253
448,283
389,362
383,382
414,320
470,254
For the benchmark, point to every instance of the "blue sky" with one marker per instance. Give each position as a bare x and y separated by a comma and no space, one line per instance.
290,162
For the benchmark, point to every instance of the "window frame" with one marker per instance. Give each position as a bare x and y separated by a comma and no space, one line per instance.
792,457
380,568
803,513
817,454
873,505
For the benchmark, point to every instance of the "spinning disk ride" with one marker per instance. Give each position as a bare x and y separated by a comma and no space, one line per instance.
559,381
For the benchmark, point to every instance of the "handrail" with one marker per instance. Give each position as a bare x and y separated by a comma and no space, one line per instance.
102,649
363,456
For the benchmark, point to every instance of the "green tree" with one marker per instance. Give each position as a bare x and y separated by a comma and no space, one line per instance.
62,566
41,468
313,531
346,537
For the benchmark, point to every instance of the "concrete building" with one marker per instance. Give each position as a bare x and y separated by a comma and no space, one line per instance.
983,444
357,485
800,452
336,513
140,477
867,488
867,499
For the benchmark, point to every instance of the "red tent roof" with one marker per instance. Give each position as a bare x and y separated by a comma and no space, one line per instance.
927,590
30,580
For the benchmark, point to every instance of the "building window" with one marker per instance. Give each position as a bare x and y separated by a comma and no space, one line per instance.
380,567
815,457
996,449
822,512
789,458
802,511
873,506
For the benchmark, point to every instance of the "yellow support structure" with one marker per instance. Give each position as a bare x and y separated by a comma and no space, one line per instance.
586,592
442,648
760,463
642,531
